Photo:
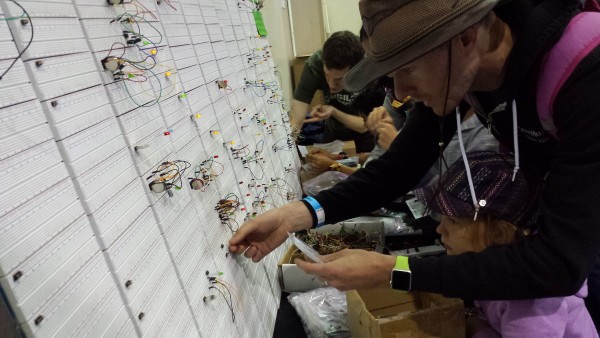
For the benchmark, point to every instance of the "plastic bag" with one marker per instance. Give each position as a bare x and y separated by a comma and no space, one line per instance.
323,312
323,182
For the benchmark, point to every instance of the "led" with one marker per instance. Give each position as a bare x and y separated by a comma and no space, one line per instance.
167,73
198,116
214,132
153,52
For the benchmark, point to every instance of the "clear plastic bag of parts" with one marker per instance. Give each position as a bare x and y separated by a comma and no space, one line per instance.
323,182
323,312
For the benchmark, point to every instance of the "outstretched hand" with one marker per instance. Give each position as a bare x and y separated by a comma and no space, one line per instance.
352,269
320,113
258,237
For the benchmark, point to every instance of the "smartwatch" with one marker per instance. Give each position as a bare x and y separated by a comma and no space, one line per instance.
401,278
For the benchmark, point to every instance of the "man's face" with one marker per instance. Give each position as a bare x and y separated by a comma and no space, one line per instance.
334,78
425,79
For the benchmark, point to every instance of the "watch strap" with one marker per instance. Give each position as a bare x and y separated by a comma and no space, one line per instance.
402,263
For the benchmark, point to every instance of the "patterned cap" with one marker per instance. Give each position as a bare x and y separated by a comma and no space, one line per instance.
514,201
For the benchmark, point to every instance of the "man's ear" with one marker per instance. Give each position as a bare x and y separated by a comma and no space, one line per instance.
468,38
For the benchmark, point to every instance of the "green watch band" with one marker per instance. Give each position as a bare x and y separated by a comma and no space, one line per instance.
402,263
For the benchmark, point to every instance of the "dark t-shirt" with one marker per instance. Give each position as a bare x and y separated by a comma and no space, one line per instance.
352,103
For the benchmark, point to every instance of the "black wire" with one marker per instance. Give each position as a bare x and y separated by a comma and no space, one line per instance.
441,159
28,44
229,305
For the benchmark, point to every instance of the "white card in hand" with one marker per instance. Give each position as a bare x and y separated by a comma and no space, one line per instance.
307,250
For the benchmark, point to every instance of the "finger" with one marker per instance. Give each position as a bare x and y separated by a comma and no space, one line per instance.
312,119
259,255
250,252
238,249
238,242
311,268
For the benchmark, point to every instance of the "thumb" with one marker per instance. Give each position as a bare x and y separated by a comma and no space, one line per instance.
238,242
310,268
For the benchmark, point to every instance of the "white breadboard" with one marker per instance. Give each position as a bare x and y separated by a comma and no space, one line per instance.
86,248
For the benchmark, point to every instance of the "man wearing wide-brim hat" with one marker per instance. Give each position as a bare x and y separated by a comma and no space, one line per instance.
450,55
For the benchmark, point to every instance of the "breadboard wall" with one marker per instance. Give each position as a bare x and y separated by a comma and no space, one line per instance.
86,247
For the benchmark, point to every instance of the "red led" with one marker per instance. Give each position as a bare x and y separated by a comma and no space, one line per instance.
247,194
167,133
241,182
243,209
216,156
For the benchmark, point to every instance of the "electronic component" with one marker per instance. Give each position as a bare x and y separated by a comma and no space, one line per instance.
112,63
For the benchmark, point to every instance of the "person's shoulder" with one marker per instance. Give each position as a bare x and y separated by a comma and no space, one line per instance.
316,60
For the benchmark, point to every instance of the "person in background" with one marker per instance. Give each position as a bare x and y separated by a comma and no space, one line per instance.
450,56
509,216
324,71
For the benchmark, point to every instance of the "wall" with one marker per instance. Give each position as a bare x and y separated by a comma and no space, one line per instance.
341,15
86,247
277,21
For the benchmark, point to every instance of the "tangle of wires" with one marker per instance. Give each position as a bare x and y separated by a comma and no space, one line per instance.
259,88
25,20
226,209
283,189
285,143
255,160
225,290
204,173
145,68
169,174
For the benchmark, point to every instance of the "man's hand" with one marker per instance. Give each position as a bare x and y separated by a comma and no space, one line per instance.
258,237
324,153
352,269
378,114
319,161
320,113
386,133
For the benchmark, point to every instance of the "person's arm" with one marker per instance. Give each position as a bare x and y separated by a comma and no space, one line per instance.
297,115
353,122
411,154
323,112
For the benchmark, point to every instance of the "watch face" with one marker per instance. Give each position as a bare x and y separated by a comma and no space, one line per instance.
401,280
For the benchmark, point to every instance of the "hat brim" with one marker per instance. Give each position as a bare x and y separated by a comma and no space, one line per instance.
371,69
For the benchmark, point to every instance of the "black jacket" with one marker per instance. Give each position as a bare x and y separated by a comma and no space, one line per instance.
557,260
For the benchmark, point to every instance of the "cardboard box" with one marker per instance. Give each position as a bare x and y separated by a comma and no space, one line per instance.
293,279
386,313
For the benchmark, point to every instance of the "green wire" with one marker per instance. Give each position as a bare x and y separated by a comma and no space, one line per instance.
14,17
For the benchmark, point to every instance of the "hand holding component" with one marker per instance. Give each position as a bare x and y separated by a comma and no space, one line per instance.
263,234
352,269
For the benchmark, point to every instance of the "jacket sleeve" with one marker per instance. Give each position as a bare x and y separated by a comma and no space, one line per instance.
411,154
557,260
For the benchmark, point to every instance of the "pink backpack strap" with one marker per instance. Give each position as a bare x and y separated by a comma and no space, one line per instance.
580,37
